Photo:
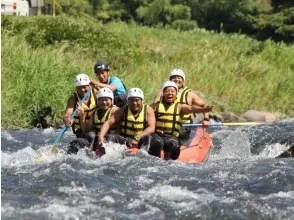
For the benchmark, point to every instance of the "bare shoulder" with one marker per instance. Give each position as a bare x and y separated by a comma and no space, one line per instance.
150,110
154,105
199,94
114,109
194,94
195,99
157,96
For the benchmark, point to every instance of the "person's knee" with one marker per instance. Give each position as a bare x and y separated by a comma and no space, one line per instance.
156,144
173,147
91,135
144,141
175,153
118,139
77,144
157,140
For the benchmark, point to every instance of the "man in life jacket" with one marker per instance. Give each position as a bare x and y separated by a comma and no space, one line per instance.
136,121
82,84
104,111
185,96
101,70
168,114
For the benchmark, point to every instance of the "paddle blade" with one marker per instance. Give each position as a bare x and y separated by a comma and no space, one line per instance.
40,159
54,149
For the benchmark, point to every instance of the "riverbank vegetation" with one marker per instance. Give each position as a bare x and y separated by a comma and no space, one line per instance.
41,56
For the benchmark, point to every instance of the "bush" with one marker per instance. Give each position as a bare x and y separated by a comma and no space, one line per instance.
184,25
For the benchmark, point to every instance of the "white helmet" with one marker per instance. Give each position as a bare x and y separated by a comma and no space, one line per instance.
82,80
170,84
177,72
136,92
105,92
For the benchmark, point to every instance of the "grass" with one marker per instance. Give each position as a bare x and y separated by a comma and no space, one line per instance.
39,63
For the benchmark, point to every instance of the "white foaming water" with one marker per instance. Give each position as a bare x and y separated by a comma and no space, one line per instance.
286,195
108,199
235,145
179,196
144,180
272,151
49,130
29,156
7,136
25,156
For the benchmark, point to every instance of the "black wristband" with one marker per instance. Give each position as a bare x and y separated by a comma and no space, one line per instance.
206,119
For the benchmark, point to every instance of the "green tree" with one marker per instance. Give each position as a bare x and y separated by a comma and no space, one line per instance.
227,15
278,25
162,12
72,7
108,10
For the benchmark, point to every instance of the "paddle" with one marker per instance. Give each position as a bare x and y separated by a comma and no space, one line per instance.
61,133
219,124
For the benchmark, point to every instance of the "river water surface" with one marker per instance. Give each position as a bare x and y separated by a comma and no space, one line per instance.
242,179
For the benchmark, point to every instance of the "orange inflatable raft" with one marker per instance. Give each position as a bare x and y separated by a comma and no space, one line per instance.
197,149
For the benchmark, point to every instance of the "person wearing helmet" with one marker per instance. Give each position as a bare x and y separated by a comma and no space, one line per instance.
82,85
136,121
186,96
168,114
105,109
101,70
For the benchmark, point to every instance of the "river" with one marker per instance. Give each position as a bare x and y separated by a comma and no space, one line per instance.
242,179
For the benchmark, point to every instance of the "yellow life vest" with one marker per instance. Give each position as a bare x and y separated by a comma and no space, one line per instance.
168,121
97,123
88,109
131,126
182,97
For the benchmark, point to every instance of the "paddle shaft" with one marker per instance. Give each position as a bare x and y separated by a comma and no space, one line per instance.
59,136
219,124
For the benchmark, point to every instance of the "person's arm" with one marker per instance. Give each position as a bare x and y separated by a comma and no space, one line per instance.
150,123
98,85
114,109
196,100
115,118
187,109
156,99
82,116
69,110
87,126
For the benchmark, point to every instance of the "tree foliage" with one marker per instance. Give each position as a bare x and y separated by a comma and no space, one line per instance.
259,18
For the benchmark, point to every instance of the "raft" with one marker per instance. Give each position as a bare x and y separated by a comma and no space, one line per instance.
196,150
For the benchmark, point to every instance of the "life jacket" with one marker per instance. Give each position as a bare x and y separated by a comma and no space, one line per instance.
88,109
99,122
132,127
168,121
182,97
